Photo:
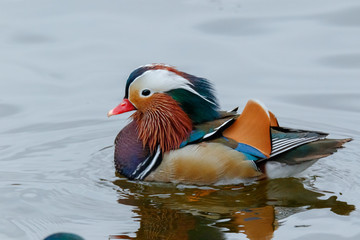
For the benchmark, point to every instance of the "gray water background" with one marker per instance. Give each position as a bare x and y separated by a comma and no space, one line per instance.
63,65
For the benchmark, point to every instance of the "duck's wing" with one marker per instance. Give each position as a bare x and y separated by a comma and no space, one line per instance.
211,129
307,151
256,132
284,139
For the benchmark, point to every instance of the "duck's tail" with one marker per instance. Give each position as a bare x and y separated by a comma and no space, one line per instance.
288,163
311,151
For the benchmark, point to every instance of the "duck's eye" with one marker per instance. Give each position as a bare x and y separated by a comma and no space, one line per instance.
145,92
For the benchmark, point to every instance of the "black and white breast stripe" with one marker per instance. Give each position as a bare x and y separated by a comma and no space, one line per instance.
280,145
147,166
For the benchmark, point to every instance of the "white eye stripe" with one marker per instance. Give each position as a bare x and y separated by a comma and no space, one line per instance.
161,80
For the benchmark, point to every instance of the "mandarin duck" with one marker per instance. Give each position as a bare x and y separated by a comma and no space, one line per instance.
178,134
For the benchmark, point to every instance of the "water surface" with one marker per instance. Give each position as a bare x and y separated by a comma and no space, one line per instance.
64,64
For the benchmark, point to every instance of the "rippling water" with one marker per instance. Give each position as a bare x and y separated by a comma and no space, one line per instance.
64,64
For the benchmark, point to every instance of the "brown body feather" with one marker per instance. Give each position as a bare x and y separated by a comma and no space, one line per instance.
205,163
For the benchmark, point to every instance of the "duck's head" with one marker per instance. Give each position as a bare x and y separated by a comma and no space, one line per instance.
153,82
168,98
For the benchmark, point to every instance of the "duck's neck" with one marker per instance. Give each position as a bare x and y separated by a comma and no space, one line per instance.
163,123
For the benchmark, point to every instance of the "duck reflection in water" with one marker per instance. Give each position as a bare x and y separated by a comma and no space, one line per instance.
167,211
